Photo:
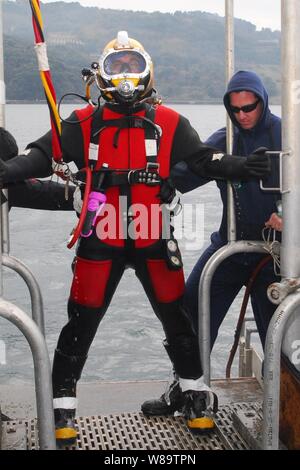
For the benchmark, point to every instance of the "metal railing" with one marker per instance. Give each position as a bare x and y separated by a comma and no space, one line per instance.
229,24
33,287
33,330
204,294
290,247
290,252
42,371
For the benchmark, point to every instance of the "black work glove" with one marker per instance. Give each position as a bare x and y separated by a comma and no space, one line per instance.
167,191
259,164
263,160
233,167
260,151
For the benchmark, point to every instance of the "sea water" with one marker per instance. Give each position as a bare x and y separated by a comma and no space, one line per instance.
128,344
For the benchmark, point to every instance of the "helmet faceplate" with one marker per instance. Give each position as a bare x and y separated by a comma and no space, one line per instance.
125,73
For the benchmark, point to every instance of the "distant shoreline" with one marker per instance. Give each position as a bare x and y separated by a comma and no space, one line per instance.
188,102
76,102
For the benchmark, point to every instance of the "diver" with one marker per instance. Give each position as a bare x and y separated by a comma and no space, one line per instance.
130,143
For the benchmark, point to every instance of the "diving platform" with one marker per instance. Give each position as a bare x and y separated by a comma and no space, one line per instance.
108,417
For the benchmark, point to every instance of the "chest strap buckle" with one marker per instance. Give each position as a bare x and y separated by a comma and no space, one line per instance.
148,175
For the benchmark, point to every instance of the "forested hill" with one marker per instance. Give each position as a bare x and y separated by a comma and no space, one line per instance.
187,49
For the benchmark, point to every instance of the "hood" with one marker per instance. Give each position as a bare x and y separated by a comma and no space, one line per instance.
248,81
8,145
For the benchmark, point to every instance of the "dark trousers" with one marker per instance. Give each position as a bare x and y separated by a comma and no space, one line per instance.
229,278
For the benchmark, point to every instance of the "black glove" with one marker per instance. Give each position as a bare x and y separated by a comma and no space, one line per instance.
260,151
167,191
234,168
259,164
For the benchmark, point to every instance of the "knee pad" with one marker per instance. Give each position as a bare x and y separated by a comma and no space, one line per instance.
90,281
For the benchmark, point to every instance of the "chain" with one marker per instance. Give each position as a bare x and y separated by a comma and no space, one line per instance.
62,170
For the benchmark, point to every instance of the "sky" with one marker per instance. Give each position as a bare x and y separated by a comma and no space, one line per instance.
263,13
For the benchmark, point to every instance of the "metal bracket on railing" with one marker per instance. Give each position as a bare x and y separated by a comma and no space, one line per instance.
246,320
281,154
278,291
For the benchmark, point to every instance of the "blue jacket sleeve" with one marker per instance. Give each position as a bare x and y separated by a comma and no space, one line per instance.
218,140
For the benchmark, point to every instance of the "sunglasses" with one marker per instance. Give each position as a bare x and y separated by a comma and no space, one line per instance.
246,109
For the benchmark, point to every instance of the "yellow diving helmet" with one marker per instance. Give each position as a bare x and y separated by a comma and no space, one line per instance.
125,72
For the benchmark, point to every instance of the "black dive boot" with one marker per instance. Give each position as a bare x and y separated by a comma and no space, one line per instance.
170,401
195,411
66,373
65,430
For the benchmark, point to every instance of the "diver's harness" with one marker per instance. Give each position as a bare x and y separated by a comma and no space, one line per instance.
98,181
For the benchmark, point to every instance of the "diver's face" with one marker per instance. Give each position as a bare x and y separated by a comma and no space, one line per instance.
247,108
126,64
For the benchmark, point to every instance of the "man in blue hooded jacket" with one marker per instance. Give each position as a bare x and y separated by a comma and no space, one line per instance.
246,101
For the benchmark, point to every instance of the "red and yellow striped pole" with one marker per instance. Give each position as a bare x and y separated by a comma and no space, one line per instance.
45,74
41,52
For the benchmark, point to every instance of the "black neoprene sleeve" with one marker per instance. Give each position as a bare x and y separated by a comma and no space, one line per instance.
34,164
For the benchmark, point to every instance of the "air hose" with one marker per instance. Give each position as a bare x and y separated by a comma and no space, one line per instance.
77,231
240,321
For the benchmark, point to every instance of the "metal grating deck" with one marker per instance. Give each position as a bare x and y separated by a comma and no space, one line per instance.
225,424
133,431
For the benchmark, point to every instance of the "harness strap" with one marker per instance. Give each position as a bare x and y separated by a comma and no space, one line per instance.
152,137
135,122
152,134
144,176
148,176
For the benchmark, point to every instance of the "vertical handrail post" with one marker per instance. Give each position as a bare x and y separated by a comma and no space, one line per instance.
290,246
205,283
290,66
229,32
2,124
4,221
